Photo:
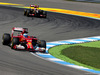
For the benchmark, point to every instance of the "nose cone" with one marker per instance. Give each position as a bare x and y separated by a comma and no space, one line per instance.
29,45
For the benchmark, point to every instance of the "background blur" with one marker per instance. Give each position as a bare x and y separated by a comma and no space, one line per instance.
88,0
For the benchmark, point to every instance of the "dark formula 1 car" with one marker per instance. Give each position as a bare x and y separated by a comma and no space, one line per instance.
35,11
20,40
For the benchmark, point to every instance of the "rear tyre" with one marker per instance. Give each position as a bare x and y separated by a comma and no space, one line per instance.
27,13
24,12
15,41
6,38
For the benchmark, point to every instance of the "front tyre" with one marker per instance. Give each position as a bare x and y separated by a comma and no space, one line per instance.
45,14
42,44
15,41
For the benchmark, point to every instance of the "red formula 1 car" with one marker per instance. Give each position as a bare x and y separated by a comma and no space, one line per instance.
20,40
35,11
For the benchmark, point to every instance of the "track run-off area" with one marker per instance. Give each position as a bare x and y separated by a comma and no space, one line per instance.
55,27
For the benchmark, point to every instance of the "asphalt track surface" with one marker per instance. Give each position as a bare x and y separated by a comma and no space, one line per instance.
54,27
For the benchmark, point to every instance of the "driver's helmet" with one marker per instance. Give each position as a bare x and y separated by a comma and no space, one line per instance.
25,35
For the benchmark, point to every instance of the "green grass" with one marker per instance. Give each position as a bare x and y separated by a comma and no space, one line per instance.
85,54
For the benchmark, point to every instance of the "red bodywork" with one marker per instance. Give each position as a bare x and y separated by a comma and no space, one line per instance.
22,39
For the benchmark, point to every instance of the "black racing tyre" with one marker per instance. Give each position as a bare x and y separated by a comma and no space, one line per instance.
6,38
45,14
27,13
15,41
40,11
24,12
42,43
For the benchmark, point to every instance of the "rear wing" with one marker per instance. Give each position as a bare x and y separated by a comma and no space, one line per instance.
19,29
35,6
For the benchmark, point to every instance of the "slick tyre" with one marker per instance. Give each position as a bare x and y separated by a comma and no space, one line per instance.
15,41
27,13
24,13
42,44
6,38
45,14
